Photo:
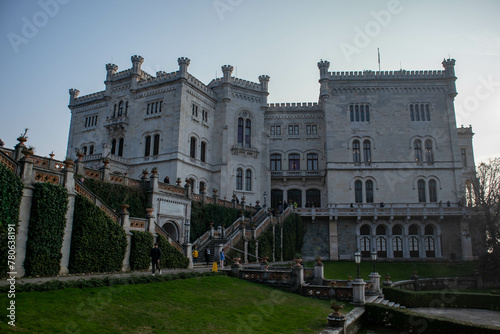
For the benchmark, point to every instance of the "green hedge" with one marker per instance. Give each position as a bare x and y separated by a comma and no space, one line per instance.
293,236
115,195
140,250
204,214
170,256
413,322
11,191
98,244
444,298
46,230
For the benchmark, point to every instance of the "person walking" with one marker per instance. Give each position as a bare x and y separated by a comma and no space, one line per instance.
155,258
207,255
195,256
222,257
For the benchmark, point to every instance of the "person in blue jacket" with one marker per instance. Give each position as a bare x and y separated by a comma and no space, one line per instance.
222,257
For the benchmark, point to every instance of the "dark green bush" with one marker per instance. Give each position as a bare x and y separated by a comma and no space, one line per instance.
413,322
443,298
46,230
293,236
115,195
11,191
140,249
170,256
204,214
98,244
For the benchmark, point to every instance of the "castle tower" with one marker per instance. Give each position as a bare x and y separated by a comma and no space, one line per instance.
264,86
227,70
226,79
323,66
183,65
110,72
136,70
449,66
73,94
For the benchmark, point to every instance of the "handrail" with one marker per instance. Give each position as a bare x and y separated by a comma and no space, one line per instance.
85,192
169,238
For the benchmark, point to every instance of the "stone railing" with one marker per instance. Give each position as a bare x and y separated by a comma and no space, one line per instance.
82,190
169,238
439,283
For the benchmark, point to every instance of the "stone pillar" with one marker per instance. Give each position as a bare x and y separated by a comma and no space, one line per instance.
358,292
235,269
105,174
188,251
69,184
24,216
375,278
256,250
318,274
125,222
466,241
245,249
437,247
217,250
297,278
153,184
151,228
334,240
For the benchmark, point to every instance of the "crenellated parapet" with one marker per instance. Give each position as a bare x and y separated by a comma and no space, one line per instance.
293,106
200,85
110,71
73,94
264,82
465,131
226,72
386,75
183,65
323,66
88,98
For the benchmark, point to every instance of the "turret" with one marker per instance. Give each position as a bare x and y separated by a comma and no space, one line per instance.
227,70
183,65
73,94
110,71
449,67
323,66
264,82
136,64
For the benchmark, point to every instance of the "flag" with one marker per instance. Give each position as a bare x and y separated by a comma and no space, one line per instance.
378,51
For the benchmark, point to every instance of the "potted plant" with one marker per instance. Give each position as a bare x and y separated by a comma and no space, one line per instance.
28,151
154,171
318,260
149,211
336,306
69,162
105,161
178,181
124,207
145,172
297,259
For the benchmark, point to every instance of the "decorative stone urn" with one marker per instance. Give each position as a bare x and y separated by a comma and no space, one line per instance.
336,319
69,163
124,207
149,212
237,260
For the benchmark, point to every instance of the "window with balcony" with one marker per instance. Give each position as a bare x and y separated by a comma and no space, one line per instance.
275,162
369,191
156,144
432,191
313,198
120,147
293,161
367,152
312,161
113,146
248,133
429,156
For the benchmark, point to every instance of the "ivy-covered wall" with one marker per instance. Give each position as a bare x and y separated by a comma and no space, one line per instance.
98,244
204,214
170,256
46,229
115,195
11,191
140,250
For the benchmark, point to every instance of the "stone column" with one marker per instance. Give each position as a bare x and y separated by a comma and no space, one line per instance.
375,278
105,174
151,228
466,242
69,184
217,250
390,251
188,250
235,269
245,249
334,240
125,222
358,292
297,278
318,273
24,216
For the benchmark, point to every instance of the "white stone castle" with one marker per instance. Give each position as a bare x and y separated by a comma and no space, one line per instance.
376,163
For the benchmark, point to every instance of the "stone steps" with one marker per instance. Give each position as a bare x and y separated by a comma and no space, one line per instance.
382,301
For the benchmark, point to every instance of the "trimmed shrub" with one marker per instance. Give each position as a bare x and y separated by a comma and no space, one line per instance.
170,256
46,230
413,322
140,249
11,191
293,236
444,298
115,195
98,244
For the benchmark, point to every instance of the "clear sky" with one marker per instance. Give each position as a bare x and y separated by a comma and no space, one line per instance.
49,46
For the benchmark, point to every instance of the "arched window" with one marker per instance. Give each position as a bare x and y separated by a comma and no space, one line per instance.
356,154
381,230
365,232
203,187
422,112
313,198
239,179
114,110
248,180
429,241
412,116
192,148
276,198
429,156
293,161
421,191
362,112
369,191
413,246
312,161
156,145
275,161
429,230
351,111
113,146
358,191
417,114
295,195
357,112
248,133
120,108
120,147
381,241
432,191
428,112
241,123
397,241
367,111
84,149
367,152
147,146
417,146
91,149
203,151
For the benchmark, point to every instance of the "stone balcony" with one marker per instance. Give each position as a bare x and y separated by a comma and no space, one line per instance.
297,173
116,123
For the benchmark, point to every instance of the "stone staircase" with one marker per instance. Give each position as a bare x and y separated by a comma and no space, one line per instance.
382,301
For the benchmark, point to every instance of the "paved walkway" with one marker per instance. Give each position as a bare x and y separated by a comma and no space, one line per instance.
39,280
476,316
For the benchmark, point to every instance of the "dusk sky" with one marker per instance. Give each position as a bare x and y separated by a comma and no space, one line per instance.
49,46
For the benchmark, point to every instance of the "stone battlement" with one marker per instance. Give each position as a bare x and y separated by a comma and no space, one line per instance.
237,82
90,97
200,85
387,75
161,77
292,106
122,74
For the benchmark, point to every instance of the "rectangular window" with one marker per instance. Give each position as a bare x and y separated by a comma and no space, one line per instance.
463,154
290,130
273,130
147,146
156,145
308,130
195,110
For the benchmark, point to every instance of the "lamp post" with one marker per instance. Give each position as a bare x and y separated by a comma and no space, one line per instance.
374,258
265,197
357,259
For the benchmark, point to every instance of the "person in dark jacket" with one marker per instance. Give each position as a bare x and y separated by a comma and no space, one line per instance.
207,255
155,258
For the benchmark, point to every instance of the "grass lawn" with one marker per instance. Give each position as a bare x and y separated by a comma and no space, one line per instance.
398,270
214,304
